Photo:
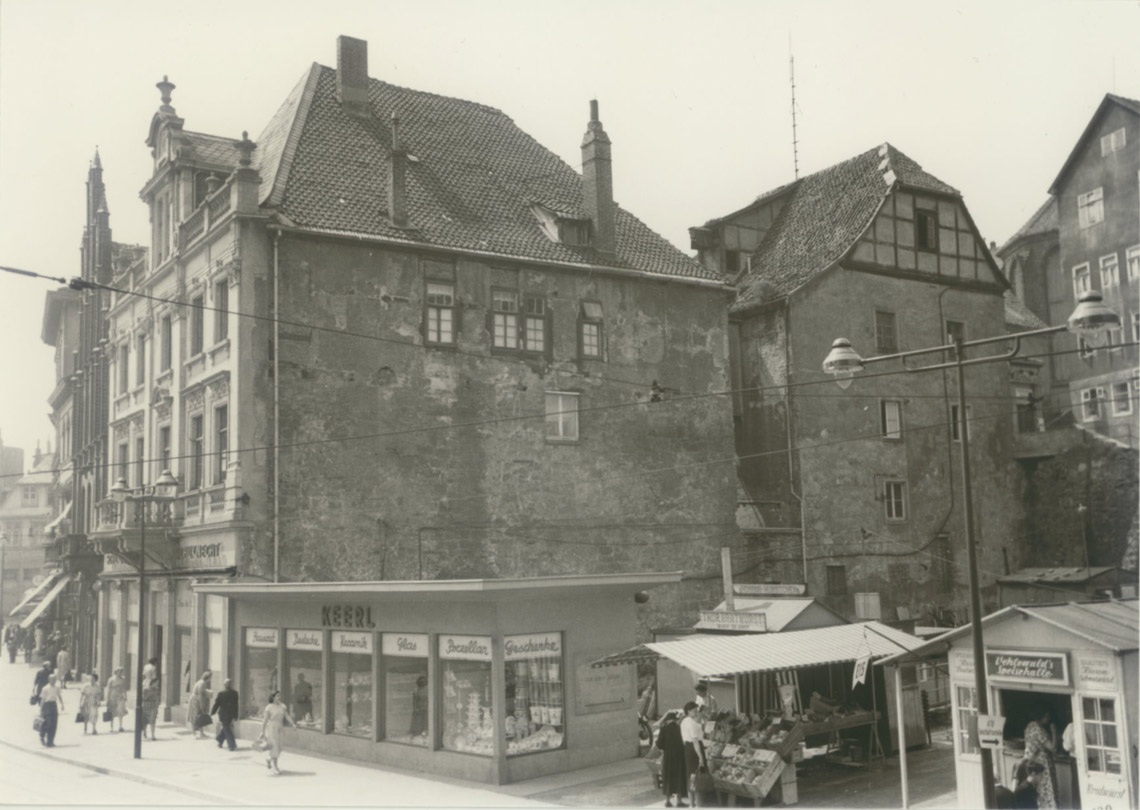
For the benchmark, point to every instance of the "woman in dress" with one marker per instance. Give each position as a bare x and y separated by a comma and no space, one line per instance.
199,709
90,698
150,701
276,717
674,778
117,697
51,704
1040,745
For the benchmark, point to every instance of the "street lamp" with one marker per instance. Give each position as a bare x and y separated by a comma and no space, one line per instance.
161,491
1090,318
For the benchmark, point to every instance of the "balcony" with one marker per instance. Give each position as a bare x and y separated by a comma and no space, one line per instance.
212,211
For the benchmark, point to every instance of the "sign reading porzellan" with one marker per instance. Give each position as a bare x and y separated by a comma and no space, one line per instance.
1028,667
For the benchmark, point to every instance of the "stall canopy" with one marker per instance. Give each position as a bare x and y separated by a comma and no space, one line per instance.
717,655
60,584
26,603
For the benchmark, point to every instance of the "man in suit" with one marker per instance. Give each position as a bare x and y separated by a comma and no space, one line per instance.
226,707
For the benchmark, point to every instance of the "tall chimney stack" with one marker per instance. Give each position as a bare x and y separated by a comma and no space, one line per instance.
598,182
352,74
397,178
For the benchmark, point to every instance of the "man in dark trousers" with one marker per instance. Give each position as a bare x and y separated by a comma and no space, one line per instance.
226,707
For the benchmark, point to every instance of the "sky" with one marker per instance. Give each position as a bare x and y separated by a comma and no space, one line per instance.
695,95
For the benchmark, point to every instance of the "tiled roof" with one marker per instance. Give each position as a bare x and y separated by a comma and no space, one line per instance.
1129,104
1044,220
472,176
207,150
825,213
1019,315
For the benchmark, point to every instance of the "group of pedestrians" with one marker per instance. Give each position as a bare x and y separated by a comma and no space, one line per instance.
681,740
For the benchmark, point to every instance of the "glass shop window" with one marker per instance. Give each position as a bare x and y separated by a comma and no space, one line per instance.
1102,745
407,693
966,723
467,707
259,680
352,683
304,686
535,695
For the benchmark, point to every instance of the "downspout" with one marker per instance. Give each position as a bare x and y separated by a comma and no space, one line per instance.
276,416
788,431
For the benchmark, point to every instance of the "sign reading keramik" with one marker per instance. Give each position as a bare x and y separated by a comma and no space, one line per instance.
1028,666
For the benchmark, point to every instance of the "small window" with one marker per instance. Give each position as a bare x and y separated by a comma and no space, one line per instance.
1092,400
195,441
926,230
221,442
867,606
1112,142
140,360
1132,257
124,368
30,497
886,334
140,461
536,321
890,418
439,313
1090,207
1109,272
505,319
955,334
122,461
966,720
167,342
1101,738
221,310
894,498
197,324
163,450
1121,399
836,580
1136,326
956,423
590,330
561,416
1082,280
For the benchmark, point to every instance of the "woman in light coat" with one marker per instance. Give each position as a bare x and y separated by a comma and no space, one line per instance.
90,698
117,697
200,705
276,718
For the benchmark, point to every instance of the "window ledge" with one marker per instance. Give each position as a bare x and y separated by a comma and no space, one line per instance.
224,343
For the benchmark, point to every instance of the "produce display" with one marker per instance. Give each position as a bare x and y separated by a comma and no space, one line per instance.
746,771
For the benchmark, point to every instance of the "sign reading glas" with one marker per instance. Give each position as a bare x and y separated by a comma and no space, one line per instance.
1028,667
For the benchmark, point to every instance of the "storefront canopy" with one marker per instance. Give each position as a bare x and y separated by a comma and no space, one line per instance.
60,584
1114,625
49,529
26,603
719,655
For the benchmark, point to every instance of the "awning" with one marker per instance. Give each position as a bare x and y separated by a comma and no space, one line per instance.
718,655
46,601
62,516
26,601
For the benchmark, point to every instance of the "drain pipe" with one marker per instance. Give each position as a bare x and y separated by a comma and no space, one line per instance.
788,431
276,414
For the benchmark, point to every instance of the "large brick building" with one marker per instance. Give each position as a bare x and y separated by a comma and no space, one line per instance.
856,493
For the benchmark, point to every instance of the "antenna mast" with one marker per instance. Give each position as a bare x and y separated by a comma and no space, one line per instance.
795,142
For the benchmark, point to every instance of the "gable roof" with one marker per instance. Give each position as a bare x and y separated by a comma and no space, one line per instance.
1018,315
824,215
472,176
1108,101
1044,220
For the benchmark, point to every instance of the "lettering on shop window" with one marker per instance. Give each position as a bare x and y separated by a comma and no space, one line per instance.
466,648
346,616
409,645
305,640
515,647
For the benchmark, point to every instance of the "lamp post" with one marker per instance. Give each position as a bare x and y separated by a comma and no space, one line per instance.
1090,317
162,491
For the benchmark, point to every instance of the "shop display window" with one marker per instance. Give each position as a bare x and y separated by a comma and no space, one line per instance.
467,709
304,683
407,693
535,707
1102,747
352,687
259,678
967,720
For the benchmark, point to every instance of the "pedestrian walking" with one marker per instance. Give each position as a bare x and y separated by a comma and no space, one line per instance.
674,778
200,705
90,699
12,641
226,707
150,671
51,704
116,698
29,643
43,674
276,718
151,697
63,666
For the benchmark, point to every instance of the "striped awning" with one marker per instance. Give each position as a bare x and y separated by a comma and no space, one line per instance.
46,601
26,602
722,655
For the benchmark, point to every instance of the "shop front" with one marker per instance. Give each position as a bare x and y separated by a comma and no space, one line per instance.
488,680
1067,669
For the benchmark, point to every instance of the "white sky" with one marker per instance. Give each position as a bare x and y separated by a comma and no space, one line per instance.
989,97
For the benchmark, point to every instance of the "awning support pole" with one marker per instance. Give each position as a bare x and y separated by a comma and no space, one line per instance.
897,675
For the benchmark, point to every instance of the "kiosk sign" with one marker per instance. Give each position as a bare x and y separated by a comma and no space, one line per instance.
990,727
732,620
1028,667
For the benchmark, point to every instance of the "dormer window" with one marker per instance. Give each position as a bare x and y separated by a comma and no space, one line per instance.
564,227
574,231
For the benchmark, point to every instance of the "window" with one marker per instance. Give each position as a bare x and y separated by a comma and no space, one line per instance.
926,230
1132,257
167,343
867,606
1136,326
956,423
590,330
1113,338
30,497
195,448
163,449
955,332
221,442
894,497
535,710
259,673
1112,142
886,334
122,461
221,310
534,337
836,580
1090,207
1102,745
197,324
140,361
407,695
1121,399
1091,399
351,685
1082,280
561,416
966,720
1109,272
140,460
303,683
124,368
505,319
465,662
439,313
890,418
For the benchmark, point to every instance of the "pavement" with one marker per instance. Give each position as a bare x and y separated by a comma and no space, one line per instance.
192,771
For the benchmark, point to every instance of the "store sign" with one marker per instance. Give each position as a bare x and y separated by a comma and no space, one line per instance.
261,637
990,727
961,664
1028,667
408,645
202,552
1105,792
1096,673
346,642
770,589
347,616
465,648
732,620
532,646
304,640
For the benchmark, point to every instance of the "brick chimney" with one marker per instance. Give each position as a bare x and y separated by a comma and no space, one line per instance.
352,74
598,182
397,178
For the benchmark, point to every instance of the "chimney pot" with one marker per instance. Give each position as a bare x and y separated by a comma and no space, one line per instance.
397,178
352,74
598,184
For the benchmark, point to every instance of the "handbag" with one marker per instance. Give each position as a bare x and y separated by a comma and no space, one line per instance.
80,717
34,700
201,721
107,716
37,723
703,781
